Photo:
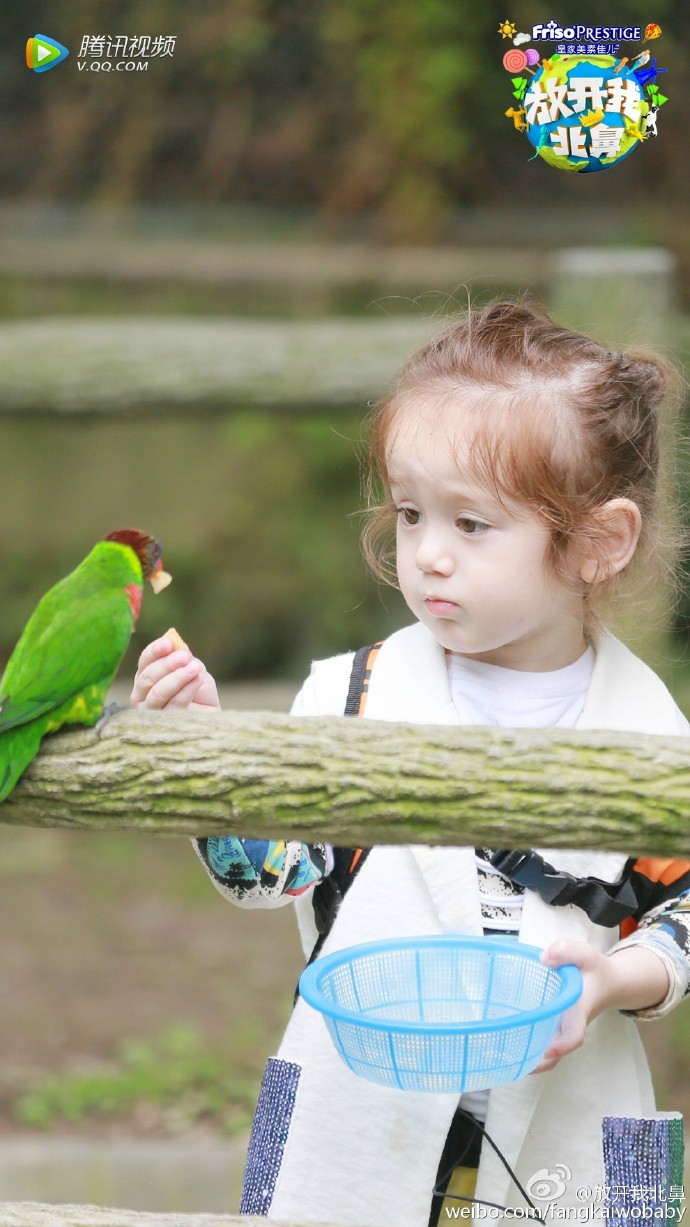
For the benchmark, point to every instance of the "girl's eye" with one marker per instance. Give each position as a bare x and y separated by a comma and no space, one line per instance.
408,515
471,527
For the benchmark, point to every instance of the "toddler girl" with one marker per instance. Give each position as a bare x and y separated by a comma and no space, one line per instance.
519,463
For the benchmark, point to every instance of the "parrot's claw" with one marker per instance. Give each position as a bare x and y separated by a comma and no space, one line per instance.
111,710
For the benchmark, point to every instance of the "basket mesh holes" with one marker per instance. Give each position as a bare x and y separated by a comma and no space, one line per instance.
457,981
451,988
386,980
444,986
522,985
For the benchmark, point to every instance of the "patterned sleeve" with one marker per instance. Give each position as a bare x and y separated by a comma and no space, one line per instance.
262,872
268,872
666,930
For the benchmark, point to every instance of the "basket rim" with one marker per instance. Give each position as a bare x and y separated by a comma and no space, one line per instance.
569,975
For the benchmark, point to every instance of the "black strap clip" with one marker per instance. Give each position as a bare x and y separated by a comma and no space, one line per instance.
531,871
606,903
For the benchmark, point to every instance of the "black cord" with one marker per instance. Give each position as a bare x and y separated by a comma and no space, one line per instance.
476,1200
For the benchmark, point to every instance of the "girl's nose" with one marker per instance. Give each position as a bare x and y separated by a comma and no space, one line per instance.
433,556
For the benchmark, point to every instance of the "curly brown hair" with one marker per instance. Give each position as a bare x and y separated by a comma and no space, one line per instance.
554,421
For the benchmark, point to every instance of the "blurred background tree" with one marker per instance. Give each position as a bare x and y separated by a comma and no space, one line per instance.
276,126
387,115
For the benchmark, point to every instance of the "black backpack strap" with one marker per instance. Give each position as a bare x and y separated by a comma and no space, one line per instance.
329,894
358,689
606,903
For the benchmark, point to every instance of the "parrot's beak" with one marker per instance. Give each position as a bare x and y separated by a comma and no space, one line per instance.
159,579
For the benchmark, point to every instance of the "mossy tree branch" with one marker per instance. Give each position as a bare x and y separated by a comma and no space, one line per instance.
349,782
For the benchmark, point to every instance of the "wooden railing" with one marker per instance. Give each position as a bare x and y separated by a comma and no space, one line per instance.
35,1214
350,782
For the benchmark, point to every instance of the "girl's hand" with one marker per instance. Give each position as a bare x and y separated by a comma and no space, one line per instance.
169,678
632,978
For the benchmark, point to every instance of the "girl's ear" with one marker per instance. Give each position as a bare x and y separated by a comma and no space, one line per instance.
615,532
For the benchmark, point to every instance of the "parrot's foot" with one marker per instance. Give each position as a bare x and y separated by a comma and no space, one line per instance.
111,710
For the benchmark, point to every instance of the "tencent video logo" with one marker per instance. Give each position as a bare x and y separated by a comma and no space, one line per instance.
43,53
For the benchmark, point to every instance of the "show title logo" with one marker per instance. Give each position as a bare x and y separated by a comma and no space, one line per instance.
582,107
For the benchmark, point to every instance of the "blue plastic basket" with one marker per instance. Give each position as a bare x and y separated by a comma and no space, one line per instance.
440,1013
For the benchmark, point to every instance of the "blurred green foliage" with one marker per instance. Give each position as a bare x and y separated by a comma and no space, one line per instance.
382,115
257,513
282,579
175,1080
414,72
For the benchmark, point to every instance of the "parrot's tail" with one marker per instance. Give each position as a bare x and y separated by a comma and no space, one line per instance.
18,747
6,786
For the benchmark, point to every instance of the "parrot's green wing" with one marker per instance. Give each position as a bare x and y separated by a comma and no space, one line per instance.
11,717
73,641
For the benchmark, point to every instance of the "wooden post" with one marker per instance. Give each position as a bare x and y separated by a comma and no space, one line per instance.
620,295
624,297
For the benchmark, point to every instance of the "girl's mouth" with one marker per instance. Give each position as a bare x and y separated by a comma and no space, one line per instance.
438,607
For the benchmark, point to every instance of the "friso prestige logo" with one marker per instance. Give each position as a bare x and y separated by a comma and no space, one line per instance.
43,53
583,105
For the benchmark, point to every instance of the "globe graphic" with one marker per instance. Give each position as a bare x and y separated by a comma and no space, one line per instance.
547,138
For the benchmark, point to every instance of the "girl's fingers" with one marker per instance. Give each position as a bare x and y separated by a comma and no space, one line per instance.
171,677
185,697
154,662
154,671
568,1038
544,1066
571,1036
152,651
172,689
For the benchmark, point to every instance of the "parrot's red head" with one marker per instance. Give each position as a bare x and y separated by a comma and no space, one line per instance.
148,551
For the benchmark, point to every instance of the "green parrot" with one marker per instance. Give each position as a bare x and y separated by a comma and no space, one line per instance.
70,649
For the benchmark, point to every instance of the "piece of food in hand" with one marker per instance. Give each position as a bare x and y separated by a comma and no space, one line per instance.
177,641
72,645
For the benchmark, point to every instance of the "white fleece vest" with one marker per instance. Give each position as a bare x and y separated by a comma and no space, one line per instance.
366,1156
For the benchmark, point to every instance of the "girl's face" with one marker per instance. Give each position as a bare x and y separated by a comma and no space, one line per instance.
473,569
